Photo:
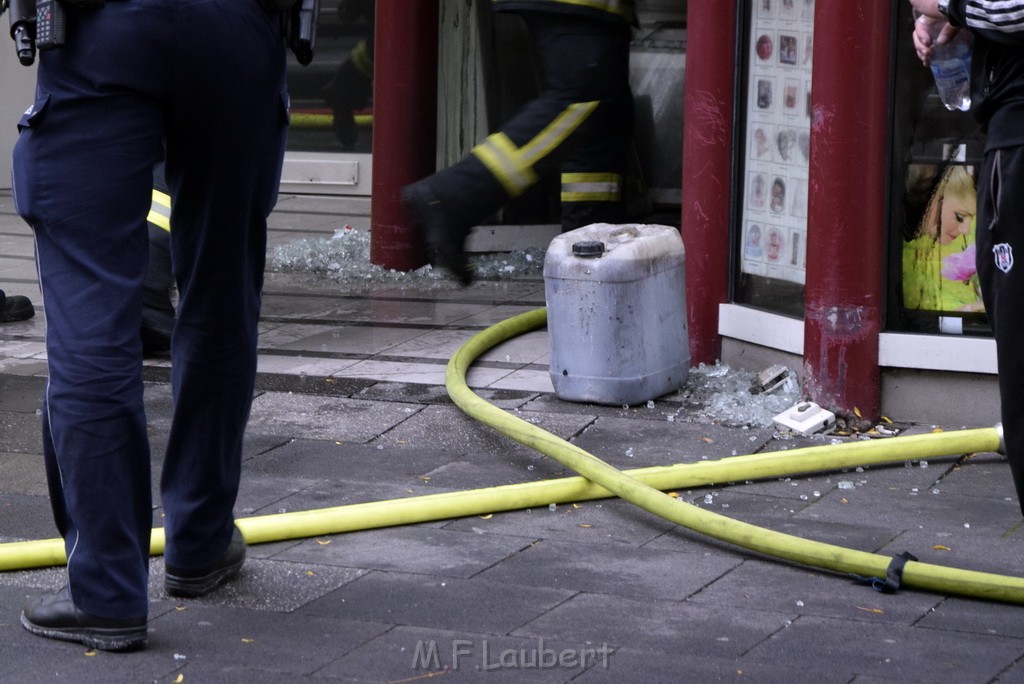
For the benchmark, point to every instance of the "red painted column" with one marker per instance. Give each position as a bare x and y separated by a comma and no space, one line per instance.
707,158
846,205
404,124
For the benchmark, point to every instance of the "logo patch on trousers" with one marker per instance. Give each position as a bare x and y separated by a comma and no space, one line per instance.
1004,256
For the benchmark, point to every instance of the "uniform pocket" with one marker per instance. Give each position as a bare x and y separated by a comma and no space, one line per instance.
33,116
23,168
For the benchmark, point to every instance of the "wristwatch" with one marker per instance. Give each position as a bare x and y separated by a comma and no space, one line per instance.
943,6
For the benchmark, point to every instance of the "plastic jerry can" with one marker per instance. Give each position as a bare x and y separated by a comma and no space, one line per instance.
616,309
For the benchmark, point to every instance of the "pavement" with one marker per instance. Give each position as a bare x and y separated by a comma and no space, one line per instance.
351,407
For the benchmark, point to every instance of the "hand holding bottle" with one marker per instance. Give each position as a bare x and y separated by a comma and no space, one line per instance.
947,50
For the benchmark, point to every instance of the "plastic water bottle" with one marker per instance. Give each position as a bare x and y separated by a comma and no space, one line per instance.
951,66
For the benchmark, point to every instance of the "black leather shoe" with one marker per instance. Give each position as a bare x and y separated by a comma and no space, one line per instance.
55,616
446,242
196,582
15,308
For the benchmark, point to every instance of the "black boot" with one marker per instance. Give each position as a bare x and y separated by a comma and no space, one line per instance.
15,308
55,616
445,237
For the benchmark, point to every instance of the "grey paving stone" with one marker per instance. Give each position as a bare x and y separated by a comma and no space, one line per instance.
433,313
968,549
464,435
21,394
411,549
34,581
473,605
218,643
22,473
261,494
890,652
802,487
909,510
686,629
985,476
352,340
663,408
476,470
607,521
766,585
21,432
408,392
25,517
436,394
323,308
769,516
348,462
24,367
304,384
659,666
976,616
615,569
330,418
628,443
267,584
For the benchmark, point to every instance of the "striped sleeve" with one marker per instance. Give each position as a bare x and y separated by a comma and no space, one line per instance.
1005,16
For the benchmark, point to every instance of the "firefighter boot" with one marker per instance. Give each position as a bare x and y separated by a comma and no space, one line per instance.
445,238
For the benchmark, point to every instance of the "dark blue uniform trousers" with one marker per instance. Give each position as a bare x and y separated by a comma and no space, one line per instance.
207,77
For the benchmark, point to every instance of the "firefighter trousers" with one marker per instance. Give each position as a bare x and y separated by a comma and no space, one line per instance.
580,124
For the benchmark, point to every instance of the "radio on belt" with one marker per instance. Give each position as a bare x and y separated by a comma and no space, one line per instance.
806,418
50,32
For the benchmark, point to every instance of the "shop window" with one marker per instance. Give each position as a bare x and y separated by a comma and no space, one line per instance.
936,153
331,99
775,135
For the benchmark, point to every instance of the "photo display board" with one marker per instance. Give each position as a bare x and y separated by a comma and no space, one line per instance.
778,136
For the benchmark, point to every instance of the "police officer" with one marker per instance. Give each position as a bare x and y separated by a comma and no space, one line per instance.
207,77
579,124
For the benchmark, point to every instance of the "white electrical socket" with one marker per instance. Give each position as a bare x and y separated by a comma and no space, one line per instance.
806,418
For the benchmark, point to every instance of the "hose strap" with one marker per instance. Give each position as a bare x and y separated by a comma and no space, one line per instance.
893,574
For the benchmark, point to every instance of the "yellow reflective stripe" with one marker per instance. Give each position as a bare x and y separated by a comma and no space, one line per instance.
589,196
512,166
591,187
361,59
557,131
503,160
160,210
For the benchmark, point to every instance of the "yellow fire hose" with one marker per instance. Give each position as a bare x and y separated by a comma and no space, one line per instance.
640,486
776,544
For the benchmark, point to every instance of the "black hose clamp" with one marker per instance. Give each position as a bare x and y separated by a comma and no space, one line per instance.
890,584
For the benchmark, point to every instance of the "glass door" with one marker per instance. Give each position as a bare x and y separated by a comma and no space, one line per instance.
331,105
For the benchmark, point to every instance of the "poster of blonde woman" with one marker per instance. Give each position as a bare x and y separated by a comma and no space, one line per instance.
938,261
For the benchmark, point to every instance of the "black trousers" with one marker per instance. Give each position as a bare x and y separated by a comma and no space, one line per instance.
580,124
1000,241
